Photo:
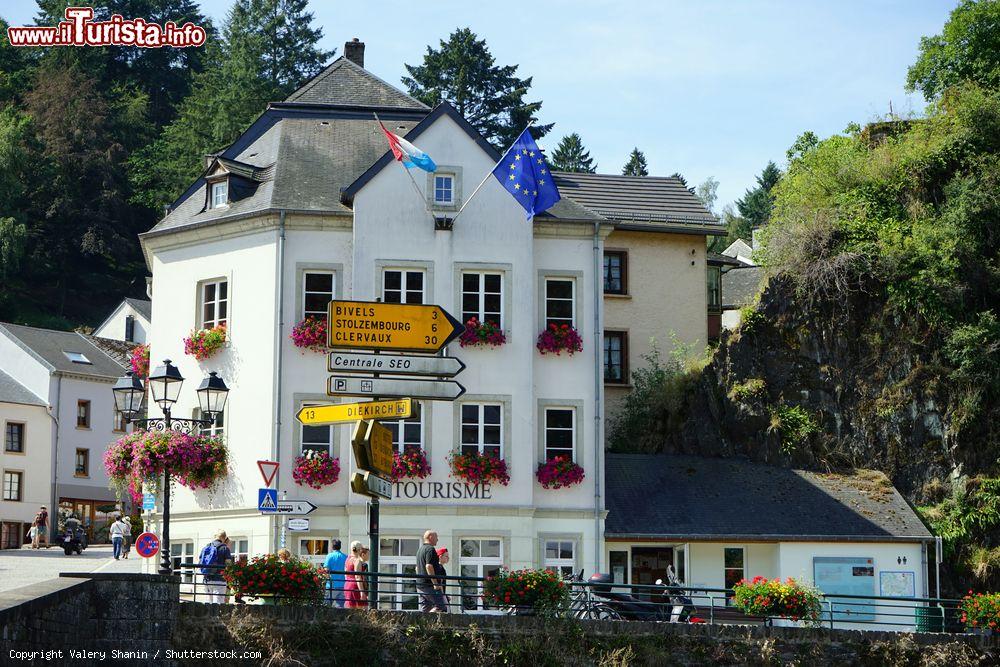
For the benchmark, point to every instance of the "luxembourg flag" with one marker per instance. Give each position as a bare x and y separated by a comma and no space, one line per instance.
407,153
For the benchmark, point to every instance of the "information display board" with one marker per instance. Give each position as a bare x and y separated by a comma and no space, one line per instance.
847,576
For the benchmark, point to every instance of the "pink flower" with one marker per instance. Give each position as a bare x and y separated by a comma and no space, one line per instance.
310,334
558,339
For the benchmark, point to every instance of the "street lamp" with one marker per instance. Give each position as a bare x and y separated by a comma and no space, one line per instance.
165,385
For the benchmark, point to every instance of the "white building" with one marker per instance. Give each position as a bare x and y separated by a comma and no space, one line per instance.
307,206
128,322
58,416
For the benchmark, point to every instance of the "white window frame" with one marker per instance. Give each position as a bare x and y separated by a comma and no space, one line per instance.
726,569
318,559
218,427
220,194
216,302
19,475
480,294
449,188
403,291
302,431
185,555
572,300
558,563
483,565
240,550
398,594
572,429
306,292
398,426
480,443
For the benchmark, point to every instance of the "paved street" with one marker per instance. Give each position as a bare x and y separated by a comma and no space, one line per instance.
20,567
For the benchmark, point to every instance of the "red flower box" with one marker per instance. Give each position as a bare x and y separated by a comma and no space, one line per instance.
203,343
310,334
477,468
411,464
559,472
316,470
557,339
481,334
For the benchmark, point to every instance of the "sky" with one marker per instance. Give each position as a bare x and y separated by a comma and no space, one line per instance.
703,87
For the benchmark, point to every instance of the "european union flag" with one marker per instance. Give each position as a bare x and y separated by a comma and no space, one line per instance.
524,173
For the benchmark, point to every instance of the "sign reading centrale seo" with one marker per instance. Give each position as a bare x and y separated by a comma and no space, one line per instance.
442,491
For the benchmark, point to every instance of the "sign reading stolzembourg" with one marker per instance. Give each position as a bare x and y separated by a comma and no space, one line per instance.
400,327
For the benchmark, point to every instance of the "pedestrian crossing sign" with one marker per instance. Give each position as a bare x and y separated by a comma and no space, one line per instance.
267,500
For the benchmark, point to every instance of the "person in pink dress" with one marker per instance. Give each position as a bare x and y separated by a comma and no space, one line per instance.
355,585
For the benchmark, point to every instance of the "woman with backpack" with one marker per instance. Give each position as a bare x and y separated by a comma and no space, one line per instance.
213,559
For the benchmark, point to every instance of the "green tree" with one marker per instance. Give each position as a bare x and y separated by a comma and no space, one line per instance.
968,49
804,143
570,155
463,72
756,204
708,193
636,165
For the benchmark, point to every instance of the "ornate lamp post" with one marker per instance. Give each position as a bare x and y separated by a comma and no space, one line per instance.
165,385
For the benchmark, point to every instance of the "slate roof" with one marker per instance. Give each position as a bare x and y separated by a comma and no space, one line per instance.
50,346
740,285
636,199
12,391
346,83
142,306
687,497
119,350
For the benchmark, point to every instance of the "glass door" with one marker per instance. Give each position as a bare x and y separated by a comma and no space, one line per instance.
648,565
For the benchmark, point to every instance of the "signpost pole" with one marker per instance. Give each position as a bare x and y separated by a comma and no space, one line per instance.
373,550
284,522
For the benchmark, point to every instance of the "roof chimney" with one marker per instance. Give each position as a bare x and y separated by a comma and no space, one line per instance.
354,51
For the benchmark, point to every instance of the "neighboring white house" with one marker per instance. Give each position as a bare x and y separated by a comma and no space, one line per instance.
67,377
128,322
717,521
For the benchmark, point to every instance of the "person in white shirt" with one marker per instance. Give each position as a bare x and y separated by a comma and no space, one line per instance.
117,533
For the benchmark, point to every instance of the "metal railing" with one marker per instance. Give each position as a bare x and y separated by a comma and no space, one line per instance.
409,592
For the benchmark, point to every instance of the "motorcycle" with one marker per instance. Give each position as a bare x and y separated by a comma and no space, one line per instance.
681,606
73,540
668,605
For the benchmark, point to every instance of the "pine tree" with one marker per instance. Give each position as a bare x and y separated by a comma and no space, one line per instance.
756,204
462,71
636,165
570,155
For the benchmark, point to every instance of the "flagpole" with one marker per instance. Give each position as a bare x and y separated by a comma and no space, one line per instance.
416,188
488,174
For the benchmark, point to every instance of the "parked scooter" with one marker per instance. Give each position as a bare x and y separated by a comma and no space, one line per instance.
73,538
681,606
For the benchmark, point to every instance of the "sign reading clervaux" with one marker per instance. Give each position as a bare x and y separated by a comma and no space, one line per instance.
390,326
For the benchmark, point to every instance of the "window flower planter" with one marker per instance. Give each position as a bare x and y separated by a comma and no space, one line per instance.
559,472
557,339
276,581
479,468
197,462
981,612
527,590
481,334
310,334
776,598
316,470
411,464
203,343
139,361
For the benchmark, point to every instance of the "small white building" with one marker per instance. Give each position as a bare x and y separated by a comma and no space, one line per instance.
58,415
717,521
128,322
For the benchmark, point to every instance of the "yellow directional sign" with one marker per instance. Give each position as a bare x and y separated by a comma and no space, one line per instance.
404,327
372,444
351,412
371,485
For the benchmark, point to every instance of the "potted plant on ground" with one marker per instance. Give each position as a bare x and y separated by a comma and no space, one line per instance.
774,598
411,464
526,591
203,343
276,581
559,472
310,334
481,334
981,612
478,468
316,469
556,339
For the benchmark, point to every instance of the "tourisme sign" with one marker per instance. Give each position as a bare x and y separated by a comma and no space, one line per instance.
352,412
372,444
432,390
394,364
400,327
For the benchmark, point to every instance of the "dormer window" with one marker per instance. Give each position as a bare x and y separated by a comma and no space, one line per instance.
220,194
77,357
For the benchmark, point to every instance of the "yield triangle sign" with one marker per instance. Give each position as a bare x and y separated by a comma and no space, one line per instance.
268,469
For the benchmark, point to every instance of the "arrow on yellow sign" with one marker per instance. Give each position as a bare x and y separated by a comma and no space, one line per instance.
352,412
404,327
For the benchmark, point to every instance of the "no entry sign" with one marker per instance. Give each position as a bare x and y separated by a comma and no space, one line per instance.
147,545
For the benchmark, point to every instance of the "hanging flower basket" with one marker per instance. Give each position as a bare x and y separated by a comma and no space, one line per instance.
295,581
981,611
557,339
526,589
203,343
141,457
559,472
481,334
776,598
411,464
477,468
310,334
316,470
138,361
